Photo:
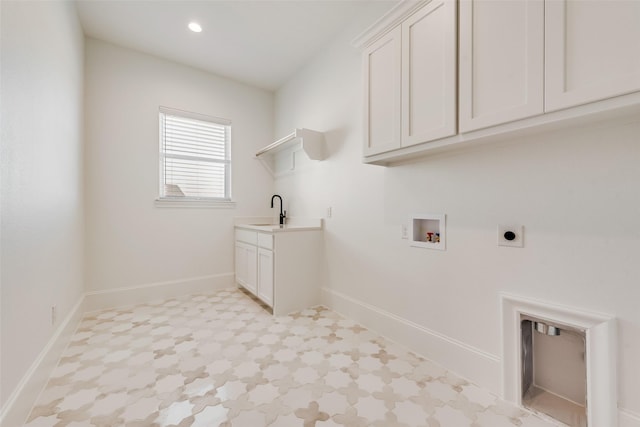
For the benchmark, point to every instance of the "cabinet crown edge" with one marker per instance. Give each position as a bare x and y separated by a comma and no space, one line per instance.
387,22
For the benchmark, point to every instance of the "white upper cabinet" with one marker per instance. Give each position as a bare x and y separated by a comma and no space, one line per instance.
429,73
592,51
501,61
438,78
410,80
382,94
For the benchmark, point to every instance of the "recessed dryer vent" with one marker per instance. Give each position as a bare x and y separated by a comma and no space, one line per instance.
560,361
554,373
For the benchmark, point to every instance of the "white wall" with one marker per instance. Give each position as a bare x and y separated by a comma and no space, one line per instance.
576,193
130,241
41,162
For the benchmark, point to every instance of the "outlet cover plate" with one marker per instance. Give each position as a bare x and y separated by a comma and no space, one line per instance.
518,230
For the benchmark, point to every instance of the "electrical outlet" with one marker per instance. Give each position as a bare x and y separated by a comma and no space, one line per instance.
511,235
54,315
405,233
329,212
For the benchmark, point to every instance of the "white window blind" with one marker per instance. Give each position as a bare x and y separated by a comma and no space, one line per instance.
195,158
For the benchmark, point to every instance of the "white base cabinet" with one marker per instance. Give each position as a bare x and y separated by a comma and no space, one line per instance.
281,268
265,276
246,273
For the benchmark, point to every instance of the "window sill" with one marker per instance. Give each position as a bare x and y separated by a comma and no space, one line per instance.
194,203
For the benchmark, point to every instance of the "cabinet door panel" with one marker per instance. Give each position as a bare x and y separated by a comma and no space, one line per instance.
382,94
252,267
591,51
429,73
265,276
501,61
241,265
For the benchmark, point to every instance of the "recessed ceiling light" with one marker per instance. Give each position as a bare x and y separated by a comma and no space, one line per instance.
195,27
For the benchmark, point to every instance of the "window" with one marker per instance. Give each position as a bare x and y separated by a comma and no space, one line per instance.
195,160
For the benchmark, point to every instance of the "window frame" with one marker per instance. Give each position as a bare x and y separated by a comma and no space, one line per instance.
189,201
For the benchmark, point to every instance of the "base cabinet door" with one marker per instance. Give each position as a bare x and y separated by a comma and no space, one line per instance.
246,267
265,276
591,51
252,270
501,64
241,264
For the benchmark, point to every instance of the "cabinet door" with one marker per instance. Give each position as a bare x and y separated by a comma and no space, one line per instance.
501,61
265,276
591,51
246,266
382,94
252,269
241,264
429,73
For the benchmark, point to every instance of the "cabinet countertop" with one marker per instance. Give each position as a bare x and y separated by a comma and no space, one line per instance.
275,228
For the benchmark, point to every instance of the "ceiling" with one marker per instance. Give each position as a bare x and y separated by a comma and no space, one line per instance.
258,42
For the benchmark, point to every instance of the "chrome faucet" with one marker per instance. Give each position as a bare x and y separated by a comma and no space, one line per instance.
283,216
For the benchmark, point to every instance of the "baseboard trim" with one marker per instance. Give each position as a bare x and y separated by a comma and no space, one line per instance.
131,295
23,397
478,366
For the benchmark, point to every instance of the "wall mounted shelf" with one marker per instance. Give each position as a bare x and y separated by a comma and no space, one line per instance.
275,157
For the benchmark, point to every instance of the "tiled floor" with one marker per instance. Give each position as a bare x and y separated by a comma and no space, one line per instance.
221,360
